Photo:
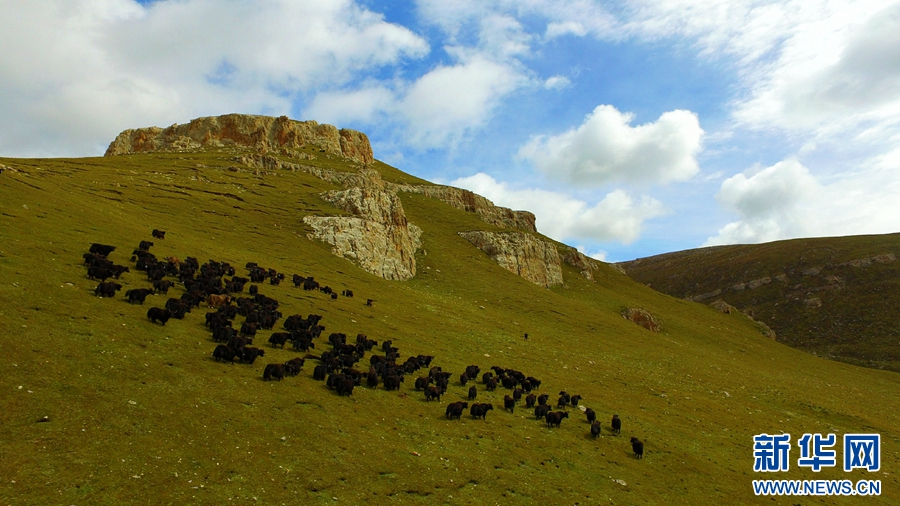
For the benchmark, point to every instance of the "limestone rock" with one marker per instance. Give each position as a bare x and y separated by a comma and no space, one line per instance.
723,307
643,318
474,203
580,261
263,133
520,253
372,245
378,237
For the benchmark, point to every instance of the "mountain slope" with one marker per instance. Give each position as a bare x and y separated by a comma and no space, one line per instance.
834,297
140,413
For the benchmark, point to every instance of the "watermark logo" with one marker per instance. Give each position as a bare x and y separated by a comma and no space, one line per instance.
813,453
862,451
770,453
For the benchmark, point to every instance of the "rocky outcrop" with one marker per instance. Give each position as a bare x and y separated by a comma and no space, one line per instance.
585,264
263,133
269,163
377,237
474,203
520,253
723,307
642,318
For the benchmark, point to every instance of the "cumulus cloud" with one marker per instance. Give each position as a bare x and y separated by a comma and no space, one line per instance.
449,101
786,200
607,148
771,203
436,110
830,79
83,70
617,217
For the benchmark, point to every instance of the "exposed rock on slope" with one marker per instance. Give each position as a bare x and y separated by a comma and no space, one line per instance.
263,133
642,318
474,203
520,253
377,237
585,264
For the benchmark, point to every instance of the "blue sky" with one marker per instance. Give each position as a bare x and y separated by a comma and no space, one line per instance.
629,128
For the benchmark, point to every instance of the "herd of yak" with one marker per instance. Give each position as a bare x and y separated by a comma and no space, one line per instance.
216,285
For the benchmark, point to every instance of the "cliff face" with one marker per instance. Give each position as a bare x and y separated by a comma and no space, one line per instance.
263,133
520,253
378,237
474,203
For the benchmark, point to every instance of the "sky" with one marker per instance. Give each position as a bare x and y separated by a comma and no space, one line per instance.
629,128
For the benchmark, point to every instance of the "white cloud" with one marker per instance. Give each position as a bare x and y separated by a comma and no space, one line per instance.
785,201
607,148
596,255
831,76
617,217
557,82
366,104
82,70
449,101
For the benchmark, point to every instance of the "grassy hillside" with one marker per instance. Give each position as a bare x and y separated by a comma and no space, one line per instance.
835,297
141,414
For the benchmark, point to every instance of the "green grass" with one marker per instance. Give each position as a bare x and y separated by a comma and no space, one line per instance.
140,413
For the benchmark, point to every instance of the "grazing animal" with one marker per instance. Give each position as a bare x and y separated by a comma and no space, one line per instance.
345,386
393,383
455,409
218,300
107,289
480,410
137,295
320,372
595,429
159,314
491,384
370,302
616,424
562,402
638,447
542,399
575,400
158,234
224,353
541,410
509,403
273,371
530,400
591,415
102,249
249,354
473,392
463,379
162,286
432,392
422,383
293,366
279,338
555,418
145,245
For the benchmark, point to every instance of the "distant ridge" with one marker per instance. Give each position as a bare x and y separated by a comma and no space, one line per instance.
836,297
